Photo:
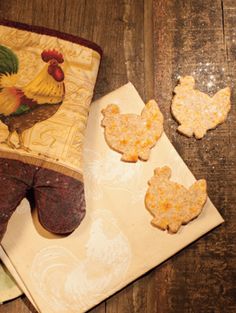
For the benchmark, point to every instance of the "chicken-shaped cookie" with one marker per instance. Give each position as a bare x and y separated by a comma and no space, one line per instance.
172,204
130,134
196,111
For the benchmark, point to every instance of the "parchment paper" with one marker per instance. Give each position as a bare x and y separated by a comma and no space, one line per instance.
115,243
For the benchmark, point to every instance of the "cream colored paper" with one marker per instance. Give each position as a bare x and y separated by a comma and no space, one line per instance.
115,243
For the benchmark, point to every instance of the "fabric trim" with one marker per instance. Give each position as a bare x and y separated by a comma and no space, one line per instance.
51,32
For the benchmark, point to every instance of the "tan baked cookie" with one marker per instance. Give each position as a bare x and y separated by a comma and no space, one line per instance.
196,111
131,134
172,204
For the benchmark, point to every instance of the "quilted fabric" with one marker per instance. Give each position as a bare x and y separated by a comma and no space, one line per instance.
46,86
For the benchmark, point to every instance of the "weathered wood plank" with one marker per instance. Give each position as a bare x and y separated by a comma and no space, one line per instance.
101,308
193,37
148,50
136,42
20,305
229,13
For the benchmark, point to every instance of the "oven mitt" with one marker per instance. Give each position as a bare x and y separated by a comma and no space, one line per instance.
46,86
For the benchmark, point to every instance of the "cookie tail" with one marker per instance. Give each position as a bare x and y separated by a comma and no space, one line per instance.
222,94
151,111
221,100
199,191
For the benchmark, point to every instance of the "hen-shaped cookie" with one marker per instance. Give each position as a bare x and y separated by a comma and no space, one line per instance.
131,134
172,204
196,111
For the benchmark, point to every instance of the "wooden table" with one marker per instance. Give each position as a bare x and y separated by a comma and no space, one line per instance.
151,43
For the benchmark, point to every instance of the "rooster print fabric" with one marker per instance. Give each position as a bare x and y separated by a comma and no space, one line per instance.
46,86
23,107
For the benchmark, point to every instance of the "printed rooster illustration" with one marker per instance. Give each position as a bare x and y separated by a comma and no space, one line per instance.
22,107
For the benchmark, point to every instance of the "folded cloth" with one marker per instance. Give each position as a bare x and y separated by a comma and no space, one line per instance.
8,288
46,86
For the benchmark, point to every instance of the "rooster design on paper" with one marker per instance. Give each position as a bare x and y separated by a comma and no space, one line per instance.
70,283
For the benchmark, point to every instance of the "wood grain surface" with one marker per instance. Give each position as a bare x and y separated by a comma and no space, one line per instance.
152,43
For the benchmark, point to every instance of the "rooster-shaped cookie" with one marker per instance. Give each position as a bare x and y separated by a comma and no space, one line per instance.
130,134
172,204
22,107
196,111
